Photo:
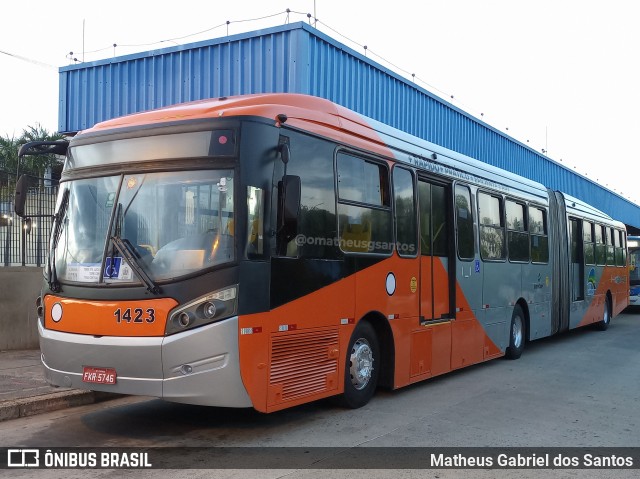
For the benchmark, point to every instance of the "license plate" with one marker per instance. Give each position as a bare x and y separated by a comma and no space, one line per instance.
95,375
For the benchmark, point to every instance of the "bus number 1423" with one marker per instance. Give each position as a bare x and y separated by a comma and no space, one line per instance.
136,315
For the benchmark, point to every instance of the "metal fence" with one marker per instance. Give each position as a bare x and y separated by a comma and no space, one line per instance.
24,241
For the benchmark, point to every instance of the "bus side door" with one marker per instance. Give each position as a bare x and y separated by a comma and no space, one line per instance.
436,282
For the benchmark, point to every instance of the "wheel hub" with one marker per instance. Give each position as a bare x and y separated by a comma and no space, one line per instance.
516,332
361,367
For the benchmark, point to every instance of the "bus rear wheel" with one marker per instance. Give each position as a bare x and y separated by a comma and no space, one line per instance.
362,366
516,334
603,324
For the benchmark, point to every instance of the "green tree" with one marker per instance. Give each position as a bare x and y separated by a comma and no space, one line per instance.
8,160
9,154
38,165
33,165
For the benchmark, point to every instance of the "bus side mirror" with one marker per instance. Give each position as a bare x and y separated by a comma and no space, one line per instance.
292,189
58,147
289,189
21,195
285,153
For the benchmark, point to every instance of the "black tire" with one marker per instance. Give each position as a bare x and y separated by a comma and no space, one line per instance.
603,324
362,367
516,334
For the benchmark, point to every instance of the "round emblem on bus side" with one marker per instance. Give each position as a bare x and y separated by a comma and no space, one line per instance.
391,284
56,312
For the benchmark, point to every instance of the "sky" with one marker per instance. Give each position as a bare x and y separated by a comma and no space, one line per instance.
558,75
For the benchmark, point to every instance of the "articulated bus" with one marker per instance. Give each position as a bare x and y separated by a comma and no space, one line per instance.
269,250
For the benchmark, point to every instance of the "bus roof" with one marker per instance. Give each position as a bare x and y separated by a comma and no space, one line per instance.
325,117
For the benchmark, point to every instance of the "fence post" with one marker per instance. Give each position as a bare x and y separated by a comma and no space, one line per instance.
23,236
7,242
39,227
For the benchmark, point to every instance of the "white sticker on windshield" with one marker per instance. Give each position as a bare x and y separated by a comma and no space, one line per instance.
83,272
90,272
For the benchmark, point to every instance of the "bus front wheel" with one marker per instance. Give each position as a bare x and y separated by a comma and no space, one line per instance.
362,366
516,334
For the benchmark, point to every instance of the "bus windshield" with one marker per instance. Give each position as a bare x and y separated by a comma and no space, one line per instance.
634,266
174,223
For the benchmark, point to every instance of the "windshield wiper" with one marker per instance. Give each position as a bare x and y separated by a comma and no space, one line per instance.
52,274
117,226
131,256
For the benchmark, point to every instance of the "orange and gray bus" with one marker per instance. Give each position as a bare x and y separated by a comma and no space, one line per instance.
269,250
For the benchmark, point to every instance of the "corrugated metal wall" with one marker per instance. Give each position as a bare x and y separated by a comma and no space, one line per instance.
298,58
97,91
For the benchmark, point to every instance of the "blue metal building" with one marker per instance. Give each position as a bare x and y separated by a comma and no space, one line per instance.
297,58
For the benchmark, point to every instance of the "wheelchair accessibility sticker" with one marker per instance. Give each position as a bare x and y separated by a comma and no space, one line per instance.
116,268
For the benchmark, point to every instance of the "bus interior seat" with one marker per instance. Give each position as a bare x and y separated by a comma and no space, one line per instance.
356,237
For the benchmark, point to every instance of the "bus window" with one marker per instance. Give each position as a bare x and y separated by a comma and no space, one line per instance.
518,237
364,213
405,212
194,213
610,237
80,245
619,248
361,181
433,219
539,235
313,161
633,244
464,220
589,248
623,246
601,251
255,221
491,227
576,261
634,265
440,238
424,198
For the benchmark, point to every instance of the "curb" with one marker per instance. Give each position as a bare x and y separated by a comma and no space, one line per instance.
17,408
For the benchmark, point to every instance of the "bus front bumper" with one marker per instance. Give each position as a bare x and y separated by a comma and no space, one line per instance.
201,366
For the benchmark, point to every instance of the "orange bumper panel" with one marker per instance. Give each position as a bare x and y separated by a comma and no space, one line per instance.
108,318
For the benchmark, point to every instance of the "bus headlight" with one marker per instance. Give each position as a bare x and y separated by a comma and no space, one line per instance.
207,309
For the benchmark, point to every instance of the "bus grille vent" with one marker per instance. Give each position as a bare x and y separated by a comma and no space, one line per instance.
304,363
